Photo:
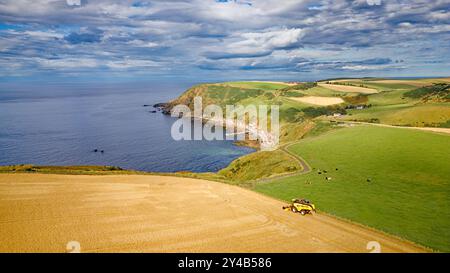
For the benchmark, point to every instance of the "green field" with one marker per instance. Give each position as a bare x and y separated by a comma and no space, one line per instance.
419,115
256,85
323,92
395,180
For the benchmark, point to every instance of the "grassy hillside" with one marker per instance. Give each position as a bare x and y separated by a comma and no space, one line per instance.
395,180
253,93
391,104
426,106
259,165
423,102
419,115
255,85
439,90
97,170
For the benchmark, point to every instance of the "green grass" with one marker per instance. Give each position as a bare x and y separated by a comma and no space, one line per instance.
445,124
99,170
383,87
420,115
231,95
409,190
380,86
259,165
324,92
299,86
390,98
321,127
82,170
295,131
391,107
256,85
293,93
440,90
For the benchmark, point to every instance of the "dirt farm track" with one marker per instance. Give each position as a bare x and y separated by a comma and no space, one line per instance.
142,213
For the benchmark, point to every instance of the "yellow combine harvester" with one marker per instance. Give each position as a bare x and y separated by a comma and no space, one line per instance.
301,205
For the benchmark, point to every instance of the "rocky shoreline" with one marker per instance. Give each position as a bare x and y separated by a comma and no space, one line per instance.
163,107
264,139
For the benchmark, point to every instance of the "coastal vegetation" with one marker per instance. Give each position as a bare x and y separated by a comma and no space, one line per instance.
29,168
259,165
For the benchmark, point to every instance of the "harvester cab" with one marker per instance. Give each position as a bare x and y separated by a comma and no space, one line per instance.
302,206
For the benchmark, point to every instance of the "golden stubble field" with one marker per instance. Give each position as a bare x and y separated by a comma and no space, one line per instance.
142,213
349,88
322,101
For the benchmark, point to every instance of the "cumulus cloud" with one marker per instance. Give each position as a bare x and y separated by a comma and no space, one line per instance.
257,44
275,39
224,37
67,63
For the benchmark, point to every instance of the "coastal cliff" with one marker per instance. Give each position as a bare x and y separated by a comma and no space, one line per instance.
223,95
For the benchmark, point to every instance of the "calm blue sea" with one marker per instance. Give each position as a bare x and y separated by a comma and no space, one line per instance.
61,124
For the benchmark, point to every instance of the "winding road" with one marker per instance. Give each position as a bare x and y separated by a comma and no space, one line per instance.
305,168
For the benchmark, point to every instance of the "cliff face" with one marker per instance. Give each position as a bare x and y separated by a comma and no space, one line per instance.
187,98
223,95
219,94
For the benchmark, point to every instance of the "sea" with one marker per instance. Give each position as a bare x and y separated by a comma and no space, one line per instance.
64,123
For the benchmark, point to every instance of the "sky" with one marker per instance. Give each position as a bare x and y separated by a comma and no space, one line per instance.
211,40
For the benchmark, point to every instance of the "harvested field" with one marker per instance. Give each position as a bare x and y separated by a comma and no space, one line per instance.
322,101
416,83
142,213
349,88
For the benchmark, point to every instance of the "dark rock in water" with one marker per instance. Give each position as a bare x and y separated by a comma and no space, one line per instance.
146,105
95,150
160,105
102,151
163,107
154,111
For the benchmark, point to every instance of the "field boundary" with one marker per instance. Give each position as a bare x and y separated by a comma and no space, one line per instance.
438,130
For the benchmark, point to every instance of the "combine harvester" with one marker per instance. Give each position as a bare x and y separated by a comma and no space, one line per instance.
301,205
